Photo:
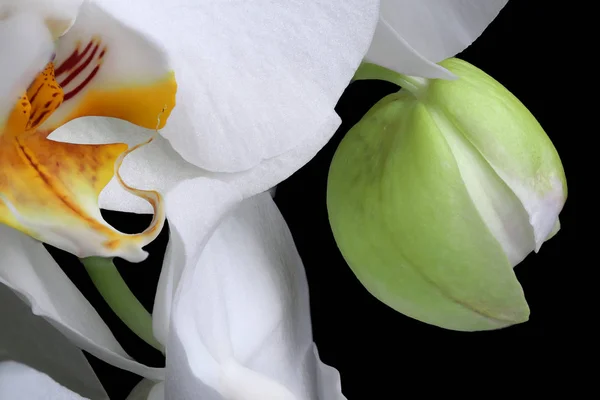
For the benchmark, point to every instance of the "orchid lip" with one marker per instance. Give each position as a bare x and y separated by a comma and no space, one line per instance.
49,189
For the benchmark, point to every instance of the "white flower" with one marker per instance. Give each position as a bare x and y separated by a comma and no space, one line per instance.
257,83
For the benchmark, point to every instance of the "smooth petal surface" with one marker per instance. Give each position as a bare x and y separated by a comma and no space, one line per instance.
57,14
25,47
260,77
406,223
240,323
510,140
20,382
389,49
31,340
194,208
412,36
27,268
271,172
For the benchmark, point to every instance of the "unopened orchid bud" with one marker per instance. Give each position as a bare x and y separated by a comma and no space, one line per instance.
439,191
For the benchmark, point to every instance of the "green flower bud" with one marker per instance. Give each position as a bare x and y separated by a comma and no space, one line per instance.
439,191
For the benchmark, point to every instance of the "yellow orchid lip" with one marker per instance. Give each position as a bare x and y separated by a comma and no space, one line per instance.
49,190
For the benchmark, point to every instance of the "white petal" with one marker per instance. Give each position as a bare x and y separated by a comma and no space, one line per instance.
241,322
389,49
31,340
194,209
414,34
25,48
20,382
147,390
256,78
543,208
57,14
27,268
275,170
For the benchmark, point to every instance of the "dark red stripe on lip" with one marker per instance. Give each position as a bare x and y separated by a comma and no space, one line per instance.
78,89
36,93
79,69
73,60
40,118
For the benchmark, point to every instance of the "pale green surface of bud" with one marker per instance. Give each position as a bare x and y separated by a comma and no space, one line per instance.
439,191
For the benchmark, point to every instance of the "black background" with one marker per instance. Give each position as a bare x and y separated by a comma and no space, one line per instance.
379,352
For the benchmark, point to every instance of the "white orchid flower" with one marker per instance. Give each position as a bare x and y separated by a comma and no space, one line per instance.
256,84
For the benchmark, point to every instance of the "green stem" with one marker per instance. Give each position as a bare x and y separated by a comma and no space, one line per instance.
117,294
413,84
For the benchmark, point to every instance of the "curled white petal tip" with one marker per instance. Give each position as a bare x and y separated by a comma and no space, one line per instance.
403,58
413,36
543,209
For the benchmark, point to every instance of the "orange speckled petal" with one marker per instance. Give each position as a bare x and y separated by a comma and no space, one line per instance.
107,69
49,190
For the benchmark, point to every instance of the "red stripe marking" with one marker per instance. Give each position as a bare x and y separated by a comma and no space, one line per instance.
81,85
40,118
79,69
36,93
73,60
